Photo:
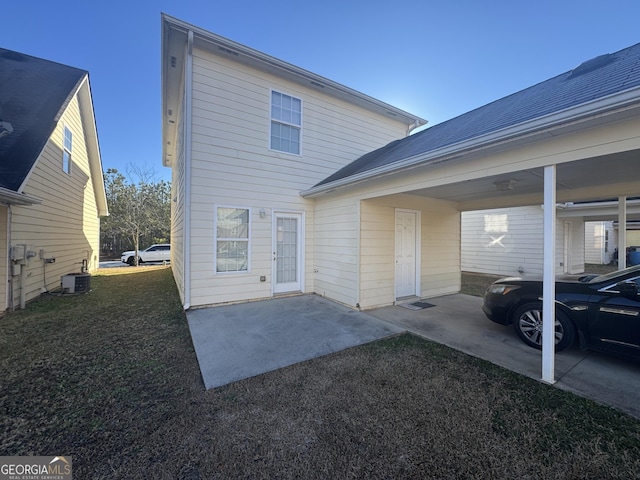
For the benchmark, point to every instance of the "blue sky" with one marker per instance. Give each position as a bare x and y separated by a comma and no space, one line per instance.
436,59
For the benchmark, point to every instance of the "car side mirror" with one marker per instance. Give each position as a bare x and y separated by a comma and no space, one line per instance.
628,289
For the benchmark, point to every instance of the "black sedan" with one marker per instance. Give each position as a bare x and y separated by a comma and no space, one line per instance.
602,312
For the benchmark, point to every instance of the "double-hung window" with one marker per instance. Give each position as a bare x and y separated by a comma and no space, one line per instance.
66,150
286,123
232,239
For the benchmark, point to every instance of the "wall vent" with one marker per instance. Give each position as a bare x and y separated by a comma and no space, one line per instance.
228,50
591,65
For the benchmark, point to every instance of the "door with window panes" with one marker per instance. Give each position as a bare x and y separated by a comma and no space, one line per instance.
287,252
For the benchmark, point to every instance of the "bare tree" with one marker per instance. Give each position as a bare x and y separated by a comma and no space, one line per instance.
139,209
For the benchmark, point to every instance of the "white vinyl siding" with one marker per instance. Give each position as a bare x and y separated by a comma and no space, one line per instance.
337,249
508,241
232,164
178,207
4,256
439,264
65,226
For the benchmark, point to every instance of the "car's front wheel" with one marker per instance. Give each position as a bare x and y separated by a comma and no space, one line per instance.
131,261
527,321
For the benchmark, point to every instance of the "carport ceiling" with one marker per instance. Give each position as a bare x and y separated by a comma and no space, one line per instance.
590,179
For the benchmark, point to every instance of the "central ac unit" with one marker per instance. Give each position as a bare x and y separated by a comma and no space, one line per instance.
75,283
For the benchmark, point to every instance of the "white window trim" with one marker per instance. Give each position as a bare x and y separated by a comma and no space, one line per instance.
64,149
215,240
271,120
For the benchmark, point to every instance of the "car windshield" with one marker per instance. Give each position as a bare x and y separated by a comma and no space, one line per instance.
608,276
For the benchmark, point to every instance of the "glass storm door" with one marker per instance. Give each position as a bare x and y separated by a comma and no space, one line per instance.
287,261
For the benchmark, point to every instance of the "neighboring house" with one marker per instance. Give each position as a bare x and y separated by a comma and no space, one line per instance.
508,241
51,187
600,240
286,182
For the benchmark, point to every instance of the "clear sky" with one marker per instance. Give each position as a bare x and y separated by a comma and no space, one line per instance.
434,58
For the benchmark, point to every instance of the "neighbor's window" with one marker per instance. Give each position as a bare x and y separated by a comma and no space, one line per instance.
496,223
286,122
232,239
66,150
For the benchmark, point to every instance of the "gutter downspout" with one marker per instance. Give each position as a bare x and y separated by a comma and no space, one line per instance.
9,274
622,233
188,91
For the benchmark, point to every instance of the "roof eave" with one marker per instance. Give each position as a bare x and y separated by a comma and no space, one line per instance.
93,147
243,54
9,197
598,107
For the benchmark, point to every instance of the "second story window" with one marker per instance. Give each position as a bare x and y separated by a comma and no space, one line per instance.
66,150
286,122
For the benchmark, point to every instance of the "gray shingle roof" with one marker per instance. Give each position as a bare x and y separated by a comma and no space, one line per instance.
596,78
33,95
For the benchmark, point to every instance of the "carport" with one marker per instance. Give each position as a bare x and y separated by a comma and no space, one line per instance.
573,138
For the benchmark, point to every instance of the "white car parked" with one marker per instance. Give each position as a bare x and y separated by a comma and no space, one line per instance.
155,253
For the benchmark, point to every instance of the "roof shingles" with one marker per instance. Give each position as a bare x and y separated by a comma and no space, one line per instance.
608,75
33,95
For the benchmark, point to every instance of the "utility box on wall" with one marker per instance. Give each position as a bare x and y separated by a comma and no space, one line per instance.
17,252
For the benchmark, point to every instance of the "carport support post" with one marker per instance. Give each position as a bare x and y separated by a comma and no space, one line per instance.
549,281
622,233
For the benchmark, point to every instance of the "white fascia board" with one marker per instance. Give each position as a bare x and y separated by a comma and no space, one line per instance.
174,43
93,147
596,209
595,108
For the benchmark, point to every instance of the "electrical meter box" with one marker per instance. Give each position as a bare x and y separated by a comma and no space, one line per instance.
18,252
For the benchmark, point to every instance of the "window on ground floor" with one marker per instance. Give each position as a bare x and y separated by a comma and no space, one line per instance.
232,239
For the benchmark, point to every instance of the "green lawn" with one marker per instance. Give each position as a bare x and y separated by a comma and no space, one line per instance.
111,379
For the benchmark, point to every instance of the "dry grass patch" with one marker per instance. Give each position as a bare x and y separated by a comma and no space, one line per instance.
111,379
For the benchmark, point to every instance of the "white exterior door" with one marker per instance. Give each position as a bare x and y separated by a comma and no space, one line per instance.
287,252
406,258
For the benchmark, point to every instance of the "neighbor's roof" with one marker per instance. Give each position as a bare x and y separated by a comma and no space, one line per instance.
33,95
594,79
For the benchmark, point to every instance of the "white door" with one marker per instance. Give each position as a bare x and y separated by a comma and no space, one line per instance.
287,252
405,253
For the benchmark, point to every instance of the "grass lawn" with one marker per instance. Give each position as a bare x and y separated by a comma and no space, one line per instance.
111,379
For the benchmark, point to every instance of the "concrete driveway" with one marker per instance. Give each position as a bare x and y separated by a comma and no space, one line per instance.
239,341
458,321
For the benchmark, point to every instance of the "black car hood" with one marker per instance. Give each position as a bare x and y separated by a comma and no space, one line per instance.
580,278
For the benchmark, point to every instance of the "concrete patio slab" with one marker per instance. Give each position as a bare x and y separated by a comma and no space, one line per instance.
238,341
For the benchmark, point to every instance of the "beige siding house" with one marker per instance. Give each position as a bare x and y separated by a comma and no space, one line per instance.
240,228
51,191
286,182
508,241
